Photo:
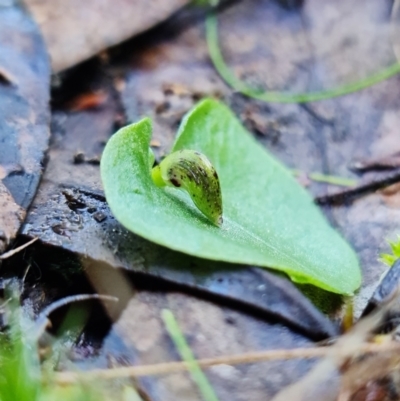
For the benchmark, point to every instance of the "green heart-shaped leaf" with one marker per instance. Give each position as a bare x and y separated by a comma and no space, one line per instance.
269,219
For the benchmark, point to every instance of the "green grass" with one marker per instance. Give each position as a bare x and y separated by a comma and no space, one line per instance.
204,386
390,258
24,377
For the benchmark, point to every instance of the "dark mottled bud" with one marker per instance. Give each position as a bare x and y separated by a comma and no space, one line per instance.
193,172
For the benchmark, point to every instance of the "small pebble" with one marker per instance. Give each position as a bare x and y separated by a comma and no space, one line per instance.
99,216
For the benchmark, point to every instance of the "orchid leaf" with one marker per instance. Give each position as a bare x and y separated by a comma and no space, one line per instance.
269,220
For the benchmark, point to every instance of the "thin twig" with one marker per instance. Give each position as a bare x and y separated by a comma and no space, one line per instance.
8,254
389,162
349,195
250,357
42,320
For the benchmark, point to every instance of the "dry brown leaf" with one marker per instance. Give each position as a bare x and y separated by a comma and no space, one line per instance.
24,116
76,30
324,380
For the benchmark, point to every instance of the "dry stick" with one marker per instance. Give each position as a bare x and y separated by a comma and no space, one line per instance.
351,194
388,162
43,319
347,346
8,254
64,378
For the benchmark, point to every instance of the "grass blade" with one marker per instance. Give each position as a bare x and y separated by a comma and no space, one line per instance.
186,354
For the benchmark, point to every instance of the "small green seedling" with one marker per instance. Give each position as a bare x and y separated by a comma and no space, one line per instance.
390,258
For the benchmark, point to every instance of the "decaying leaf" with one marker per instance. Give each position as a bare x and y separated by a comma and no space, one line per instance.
210,331
76,30
345,369
385,289
11,217
24,116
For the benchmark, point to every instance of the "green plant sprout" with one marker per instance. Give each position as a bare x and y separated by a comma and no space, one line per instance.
280,97
388,258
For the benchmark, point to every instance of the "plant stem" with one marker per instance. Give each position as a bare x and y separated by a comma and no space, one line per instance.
282,97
